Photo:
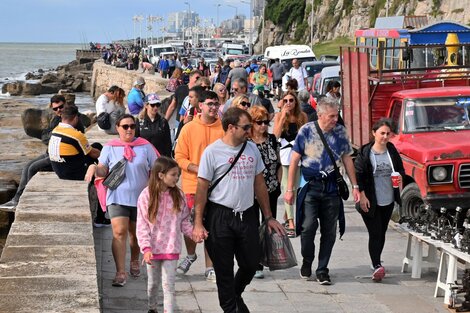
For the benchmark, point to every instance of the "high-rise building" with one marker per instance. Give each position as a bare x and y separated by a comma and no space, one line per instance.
178,21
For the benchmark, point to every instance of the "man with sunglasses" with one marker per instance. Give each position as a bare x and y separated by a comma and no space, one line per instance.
240,87
42,162
230,227
204,129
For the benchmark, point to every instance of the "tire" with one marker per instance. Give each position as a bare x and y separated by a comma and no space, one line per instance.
411,201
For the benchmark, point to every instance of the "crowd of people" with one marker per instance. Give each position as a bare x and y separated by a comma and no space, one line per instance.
215,133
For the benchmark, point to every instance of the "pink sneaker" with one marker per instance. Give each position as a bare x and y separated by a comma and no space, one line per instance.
379,274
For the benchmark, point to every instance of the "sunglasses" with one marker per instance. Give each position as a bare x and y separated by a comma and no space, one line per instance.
265,122
127,126
60,107
212,104
158,104
206,87
221,90
235,89
245,104
291,100
244,127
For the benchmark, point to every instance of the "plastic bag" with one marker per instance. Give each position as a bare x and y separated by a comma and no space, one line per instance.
277,251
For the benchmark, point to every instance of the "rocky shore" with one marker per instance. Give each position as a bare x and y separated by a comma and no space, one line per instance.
74,76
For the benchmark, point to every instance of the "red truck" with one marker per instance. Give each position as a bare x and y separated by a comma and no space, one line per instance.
430,108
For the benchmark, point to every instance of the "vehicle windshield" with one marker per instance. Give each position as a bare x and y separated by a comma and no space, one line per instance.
157,51
288,62
209,55
327,81
234,51
433,114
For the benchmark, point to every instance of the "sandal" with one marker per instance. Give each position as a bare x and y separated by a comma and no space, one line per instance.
135,268
290,232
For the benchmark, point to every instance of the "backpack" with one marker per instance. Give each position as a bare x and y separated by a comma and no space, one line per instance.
222,77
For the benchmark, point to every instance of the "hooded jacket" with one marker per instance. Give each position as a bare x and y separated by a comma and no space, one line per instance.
193,139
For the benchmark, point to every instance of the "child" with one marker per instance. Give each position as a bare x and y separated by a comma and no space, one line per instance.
162,215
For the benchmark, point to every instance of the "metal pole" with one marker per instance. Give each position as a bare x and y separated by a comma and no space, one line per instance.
135,42
311,27
251,27
262,29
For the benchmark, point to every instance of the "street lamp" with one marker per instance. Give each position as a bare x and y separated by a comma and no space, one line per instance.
251,25
218,6
189,19
138,19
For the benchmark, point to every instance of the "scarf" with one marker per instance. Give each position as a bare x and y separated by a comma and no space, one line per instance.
129,153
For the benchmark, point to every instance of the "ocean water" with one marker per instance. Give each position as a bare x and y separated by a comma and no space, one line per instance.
17,59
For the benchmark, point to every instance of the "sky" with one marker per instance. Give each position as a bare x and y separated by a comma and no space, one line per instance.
82,21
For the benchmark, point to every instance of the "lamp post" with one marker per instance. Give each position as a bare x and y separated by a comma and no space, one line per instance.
311,27
251,25
189,19
218,6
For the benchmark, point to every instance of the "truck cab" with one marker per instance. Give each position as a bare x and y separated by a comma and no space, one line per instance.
430,108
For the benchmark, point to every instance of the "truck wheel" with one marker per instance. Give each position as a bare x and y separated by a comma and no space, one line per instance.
411,200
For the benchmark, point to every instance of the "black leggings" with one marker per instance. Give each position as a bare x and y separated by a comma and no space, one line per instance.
377,227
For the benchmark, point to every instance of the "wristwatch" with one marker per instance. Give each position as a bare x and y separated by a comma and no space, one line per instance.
356,186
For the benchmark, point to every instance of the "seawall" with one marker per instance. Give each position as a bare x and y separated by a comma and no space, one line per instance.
105,75
48,263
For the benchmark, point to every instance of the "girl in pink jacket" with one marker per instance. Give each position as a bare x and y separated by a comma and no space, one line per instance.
162,215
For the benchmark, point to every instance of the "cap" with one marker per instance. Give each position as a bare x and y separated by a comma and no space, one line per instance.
139,81
153,98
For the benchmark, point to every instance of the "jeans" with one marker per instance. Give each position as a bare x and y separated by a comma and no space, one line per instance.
40,163
320,208
377,227
232,235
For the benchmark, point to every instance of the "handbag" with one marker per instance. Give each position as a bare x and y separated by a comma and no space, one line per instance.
103,120
230,168
343,189
277,251
116,175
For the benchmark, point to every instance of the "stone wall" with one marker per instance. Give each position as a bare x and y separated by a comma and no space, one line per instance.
48,263
105,76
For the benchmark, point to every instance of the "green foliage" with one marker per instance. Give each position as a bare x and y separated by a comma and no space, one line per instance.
316,4
332,7
460,10
301,30
285,13
436,4
347,6
375,11
308,9
331,47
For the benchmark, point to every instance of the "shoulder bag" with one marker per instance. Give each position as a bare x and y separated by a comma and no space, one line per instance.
230,168
343,189
116,175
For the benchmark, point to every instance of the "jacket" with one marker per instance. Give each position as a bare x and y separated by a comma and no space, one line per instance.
365,172
194,137
157,132
164,236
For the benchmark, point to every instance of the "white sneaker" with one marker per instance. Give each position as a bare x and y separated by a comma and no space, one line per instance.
210,275
184,266
259,274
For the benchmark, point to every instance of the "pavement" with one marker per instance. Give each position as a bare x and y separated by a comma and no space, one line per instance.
284,291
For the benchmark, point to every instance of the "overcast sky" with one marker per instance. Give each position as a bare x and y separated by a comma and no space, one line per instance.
82,21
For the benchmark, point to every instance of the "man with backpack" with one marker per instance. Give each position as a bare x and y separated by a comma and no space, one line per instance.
223,75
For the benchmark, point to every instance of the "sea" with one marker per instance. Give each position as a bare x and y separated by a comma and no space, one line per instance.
17,59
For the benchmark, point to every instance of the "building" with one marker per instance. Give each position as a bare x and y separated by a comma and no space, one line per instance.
178,21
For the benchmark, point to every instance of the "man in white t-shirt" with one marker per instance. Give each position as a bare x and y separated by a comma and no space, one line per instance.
231,226
300,74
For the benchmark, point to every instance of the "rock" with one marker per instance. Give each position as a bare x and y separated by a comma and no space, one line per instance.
86,87
40,70
29,75
49,78
51,88
69,97
13,88
31,89
33,121
77,85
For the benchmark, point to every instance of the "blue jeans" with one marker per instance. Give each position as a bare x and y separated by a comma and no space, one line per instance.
320,208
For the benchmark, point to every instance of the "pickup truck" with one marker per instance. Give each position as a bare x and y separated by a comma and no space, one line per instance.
430,108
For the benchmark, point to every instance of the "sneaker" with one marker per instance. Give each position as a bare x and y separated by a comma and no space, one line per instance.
120,279
184,266
104,223
241,306
10,205
259,274
210,275
306,270
379,274
135,268
323,279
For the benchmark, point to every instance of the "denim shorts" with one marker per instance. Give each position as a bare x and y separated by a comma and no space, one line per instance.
117,210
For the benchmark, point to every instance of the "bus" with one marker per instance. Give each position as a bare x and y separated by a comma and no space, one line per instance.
404,46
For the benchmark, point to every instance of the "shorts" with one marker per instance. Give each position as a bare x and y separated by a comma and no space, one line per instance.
117,210
190,204
277,83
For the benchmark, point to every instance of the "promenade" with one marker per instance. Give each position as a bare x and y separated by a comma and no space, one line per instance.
283,291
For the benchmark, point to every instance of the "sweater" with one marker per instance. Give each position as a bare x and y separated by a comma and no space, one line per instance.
163,237
195,136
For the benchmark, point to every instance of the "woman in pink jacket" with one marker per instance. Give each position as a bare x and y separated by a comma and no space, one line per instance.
162,215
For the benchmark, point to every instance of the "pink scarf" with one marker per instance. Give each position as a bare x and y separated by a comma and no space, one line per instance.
129,153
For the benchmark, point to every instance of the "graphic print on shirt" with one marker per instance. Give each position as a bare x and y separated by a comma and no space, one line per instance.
54,149
244,168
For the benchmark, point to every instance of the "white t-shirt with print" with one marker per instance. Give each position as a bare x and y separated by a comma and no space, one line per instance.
236,189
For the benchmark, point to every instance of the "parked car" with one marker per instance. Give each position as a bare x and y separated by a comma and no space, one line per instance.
314,67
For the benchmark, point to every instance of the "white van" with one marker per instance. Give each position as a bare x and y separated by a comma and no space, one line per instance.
328,74
231,49
156,50
287,53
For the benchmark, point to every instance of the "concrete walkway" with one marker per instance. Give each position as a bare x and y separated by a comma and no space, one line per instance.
284,291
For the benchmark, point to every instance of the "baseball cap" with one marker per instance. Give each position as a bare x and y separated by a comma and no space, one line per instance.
139,81
153,98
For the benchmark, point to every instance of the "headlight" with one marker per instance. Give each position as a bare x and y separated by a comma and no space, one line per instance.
439,173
